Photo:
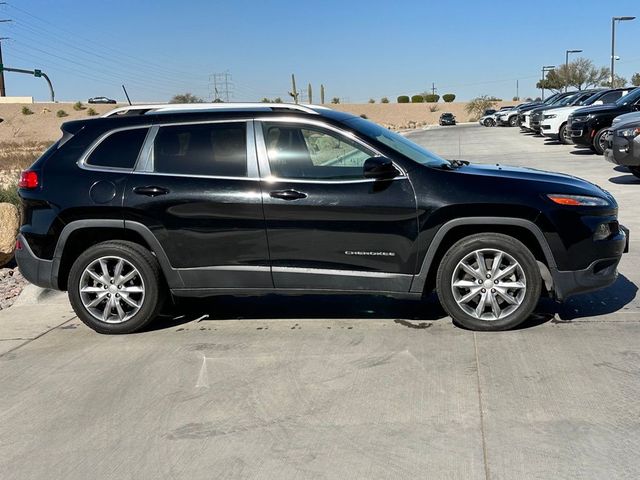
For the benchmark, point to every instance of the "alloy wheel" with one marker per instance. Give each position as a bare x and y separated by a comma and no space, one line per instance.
488,284
112,289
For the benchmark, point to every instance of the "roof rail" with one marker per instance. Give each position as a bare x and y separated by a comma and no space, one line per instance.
193,107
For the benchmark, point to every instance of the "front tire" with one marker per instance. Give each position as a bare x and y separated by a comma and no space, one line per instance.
488,282
599,145
116,287
513,121
563,135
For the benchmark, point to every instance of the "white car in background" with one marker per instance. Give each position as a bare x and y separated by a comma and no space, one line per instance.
554,123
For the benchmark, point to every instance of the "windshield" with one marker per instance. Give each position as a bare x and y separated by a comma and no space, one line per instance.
630,98
396,142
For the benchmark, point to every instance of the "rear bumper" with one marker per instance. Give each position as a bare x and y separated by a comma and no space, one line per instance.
36,270
599,274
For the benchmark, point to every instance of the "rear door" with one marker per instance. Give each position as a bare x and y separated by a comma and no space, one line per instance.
328,226
196,188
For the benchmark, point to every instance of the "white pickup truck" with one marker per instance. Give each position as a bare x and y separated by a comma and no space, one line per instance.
554,123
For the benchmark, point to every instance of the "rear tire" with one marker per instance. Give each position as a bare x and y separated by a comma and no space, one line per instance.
116,287
480,294
598,141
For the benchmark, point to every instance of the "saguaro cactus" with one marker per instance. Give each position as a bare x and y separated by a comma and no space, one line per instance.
310,93
322,94
294,93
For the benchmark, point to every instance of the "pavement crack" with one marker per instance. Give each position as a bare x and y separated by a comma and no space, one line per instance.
28,341
481,408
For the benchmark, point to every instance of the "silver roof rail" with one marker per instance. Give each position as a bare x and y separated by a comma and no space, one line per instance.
194,107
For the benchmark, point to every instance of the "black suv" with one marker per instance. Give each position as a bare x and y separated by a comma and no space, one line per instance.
447,119
227,199
589,126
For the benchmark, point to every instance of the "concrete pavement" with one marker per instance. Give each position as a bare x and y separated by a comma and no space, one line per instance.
333,388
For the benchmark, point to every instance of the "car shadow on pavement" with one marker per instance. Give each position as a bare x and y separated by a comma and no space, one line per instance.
582,151
625,180
602,302
284,307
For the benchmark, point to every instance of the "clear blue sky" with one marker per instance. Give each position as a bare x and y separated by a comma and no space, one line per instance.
358,49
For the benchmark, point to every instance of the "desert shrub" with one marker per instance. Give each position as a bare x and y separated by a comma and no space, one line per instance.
516,99
433,108
91,112
417,99
9,194
78,106
61,114
265,100
371,100
431,98
26,111
384,100
403,99
495,99
335,100
19,155
362,115
448,97
478,105
186,98
277,100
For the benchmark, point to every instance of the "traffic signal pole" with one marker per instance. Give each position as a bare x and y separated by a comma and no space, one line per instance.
35,73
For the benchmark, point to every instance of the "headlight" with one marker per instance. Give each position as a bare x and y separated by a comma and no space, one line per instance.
582,118
577,200
629,132
550,116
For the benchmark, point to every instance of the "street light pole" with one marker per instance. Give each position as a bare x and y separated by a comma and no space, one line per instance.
566,64
545,68
613,44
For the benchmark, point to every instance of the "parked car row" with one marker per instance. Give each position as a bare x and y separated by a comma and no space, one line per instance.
607,121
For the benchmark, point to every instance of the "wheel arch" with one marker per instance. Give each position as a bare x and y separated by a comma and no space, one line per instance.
523,230
79,235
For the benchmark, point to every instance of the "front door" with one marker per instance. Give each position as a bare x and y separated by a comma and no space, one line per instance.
196,187
328,227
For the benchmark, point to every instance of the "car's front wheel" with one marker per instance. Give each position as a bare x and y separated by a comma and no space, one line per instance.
563,135
488,281
116,287
600,141
513,121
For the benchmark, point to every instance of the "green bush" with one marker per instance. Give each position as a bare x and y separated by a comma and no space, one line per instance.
448,97
403,99
10,195
26,111
91,112
78,106
431,98
61,114
371,100
417,99
384,100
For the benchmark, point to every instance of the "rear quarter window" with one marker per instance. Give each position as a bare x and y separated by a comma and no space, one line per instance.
118,150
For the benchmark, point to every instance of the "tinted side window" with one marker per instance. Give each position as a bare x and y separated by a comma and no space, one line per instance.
308,152
118,150
217,149
611,97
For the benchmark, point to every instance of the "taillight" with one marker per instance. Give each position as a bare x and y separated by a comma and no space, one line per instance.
29,179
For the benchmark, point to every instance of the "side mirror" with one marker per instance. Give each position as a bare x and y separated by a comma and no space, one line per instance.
598,102
380,168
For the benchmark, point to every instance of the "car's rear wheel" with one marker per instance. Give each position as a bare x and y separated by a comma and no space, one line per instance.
489,281
599,141
115,287
563,135
635,170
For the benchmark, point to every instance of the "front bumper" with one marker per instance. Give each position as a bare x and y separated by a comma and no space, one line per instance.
622,150
599,274
580,134
36,270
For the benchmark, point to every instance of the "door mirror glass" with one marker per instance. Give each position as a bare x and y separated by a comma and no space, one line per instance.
598,102
380,168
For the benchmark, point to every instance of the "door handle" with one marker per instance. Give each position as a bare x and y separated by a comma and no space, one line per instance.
151,191
288,194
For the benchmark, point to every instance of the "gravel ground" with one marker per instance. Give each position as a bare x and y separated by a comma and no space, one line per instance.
11,285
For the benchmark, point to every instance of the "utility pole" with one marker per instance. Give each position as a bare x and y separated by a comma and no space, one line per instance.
294,93
545,69
517,90
221,86
613,45
3,92
433,88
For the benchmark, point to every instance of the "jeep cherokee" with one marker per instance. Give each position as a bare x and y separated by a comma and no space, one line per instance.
147,203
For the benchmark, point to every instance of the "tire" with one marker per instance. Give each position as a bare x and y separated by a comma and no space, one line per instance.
598,140
513,121
489,122
563,135
463,305
635,170
140,297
